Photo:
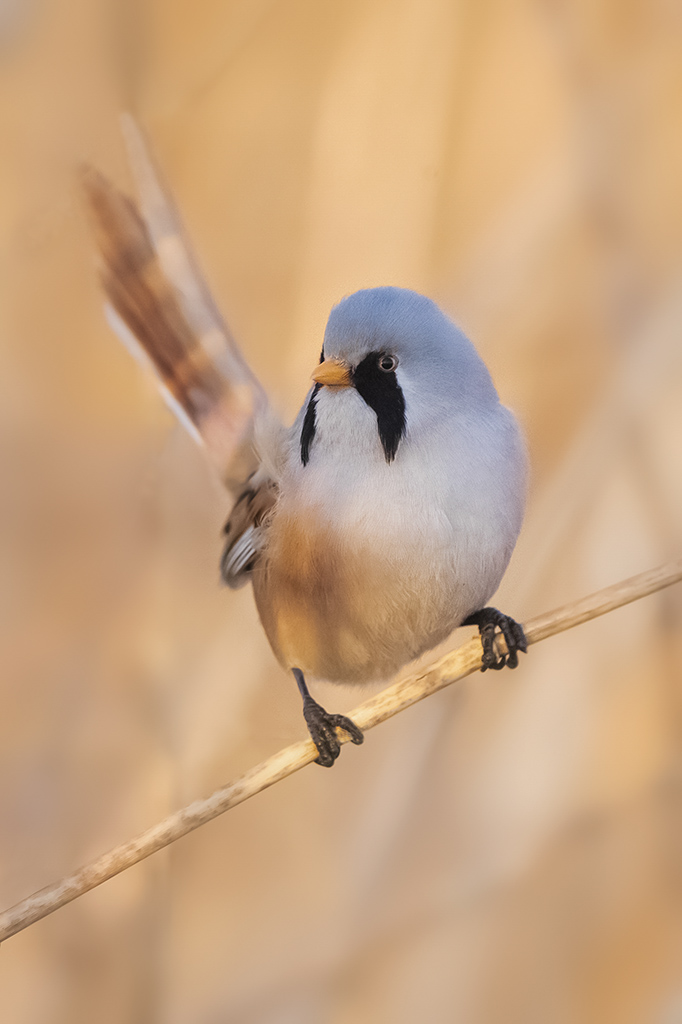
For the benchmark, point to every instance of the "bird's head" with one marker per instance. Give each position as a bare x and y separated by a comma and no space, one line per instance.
405,359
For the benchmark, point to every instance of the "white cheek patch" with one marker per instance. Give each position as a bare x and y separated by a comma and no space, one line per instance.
344,421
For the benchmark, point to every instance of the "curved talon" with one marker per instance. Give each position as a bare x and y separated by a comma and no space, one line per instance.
488,620
342,722
490,657
322,727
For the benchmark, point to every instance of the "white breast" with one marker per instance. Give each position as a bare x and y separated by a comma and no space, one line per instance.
407,549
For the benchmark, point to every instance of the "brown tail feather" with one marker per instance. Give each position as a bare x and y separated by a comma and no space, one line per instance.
138,291
222,407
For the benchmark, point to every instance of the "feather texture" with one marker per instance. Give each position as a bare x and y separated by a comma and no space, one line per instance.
388,512
159,296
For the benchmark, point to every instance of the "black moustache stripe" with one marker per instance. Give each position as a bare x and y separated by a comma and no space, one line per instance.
308,429
382,393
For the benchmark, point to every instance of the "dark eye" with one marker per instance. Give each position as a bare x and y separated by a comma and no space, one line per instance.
387,363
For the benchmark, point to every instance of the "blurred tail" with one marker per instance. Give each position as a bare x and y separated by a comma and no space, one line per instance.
160,304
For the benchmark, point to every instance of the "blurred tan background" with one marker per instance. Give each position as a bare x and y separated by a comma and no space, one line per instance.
508,852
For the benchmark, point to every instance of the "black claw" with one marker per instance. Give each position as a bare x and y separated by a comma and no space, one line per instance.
320,729
322,726
520,636
342,722
488,620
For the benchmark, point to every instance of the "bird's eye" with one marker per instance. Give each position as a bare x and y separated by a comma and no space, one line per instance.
387,363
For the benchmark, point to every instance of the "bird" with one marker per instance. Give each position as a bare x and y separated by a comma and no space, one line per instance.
379,522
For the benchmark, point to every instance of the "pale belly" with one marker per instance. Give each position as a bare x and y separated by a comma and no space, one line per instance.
355,614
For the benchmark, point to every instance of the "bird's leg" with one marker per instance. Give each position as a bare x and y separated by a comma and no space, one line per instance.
487,619
322,726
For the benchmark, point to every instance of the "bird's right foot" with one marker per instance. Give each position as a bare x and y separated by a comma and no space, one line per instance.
322,726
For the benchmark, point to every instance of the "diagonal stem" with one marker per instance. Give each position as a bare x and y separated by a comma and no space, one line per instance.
401,695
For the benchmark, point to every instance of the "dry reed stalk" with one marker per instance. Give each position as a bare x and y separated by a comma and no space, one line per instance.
401,695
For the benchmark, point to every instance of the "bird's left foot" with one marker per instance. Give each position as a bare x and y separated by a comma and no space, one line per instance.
488,620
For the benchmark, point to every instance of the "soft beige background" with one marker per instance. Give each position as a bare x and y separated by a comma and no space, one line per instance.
507,853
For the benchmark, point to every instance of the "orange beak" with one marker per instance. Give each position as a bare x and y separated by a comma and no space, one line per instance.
333,373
